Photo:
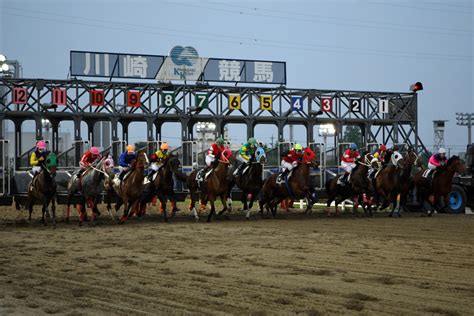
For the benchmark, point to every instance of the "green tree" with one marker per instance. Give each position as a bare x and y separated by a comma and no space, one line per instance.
353,134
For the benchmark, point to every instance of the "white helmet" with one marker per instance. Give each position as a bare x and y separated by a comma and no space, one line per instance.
441,150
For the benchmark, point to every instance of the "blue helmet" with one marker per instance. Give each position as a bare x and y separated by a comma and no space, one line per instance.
353,146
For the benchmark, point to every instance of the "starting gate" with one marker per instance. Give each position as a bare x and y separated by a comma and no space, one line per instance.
5,170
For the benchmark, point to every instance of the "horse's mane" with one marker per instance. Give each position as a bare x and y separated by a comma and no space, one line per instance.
452,160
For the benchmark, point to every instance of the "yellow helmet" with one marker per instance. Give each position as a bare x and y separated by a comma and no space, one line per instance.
130,148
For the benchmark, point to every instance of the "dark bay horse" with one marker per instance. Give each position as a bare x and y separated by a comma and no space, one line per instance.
91,187
297,187
388,181
358,189
432,193
249,182
130,189
162,186
211,188
410,159
42,188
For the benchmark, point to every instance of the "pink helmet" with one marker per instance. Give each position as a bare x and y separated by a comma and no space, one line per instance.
94,150
41,144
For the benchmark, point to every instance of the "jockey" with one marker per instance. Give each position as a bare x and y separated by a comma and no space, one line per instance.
214,152
38,156
291,159
159,158
348,161
378,159
89,158
438,159
246,154
125,160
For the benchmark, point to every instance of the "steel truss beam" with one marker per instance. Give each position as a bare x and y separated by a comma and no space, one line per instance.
400,123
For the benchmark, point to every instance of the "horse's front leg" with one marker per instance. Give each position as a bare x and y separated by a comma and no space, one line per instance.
213,210
43,210
126,209
224,204
163,202
53,210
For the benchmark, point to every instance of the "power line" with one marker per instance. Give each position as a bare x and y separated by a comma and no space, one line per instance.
308,20
421,8
251,41
377,23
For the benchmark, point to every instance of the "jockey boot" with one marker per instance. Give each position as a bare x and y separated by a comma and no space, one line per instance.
285,173
121,175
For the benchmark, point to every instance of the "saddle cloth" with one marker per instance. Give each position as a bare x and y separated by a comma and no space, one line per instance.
243,171
280,179
348,179
428,173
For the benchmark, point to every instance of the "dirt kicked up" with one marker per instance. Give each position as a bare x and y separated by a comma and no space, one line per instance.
293,265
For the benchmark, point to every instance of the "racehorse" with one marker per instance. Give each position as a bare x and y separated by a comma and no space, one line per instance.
42,188
90,187
162,185
406,184
430,193
388,181
130,189
215,185
356,190
295,186
250,181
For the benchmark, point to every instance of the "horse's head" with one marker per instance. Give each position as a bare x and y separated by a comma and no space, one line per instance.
456,164
173,163
309,157
142,159
51,163
396,159
106,164
410,158
226,156
260,155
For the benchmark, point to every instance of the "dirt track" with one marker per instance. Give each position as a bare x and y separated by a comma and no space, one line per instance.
296,264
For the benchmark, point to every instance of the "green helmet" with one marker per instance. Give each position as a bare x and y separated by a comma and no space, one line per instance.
298,147
220,141
252,141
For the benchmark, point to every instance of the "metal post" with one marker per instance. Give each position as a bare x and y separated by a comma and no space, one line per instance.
469,126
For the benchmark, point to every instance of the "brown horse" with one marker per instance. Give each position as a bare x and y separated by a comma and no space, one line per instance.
42,188
162,186
130,189
432,193
296,187
410,159
388,181
358,189
213,187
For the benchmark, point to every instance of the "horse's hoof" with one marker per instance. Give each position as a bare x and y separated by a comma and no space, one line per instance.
80,224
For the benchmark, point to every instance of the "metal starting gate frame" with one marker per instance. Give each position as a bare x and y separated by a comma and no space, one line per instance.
34,99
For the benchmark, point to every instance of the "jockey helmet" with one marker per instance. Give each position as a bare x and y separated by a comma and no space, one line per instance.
164,146
95,150
130,148
252,141
220,141
441,150
41,144
382,147
353,146
298,147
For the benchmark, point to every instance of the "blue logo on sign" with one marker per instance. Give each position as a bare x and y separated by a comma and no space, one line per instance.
184,56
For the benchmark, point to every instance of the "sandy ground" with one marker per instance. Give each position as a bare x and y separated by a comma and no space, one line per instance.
296,264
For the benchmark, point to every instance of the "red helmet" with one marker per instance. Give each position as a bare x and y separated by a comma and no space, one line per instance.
382,147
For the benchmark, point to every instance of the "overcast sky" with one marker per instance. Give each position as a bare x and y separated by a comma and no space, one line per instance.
355,45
